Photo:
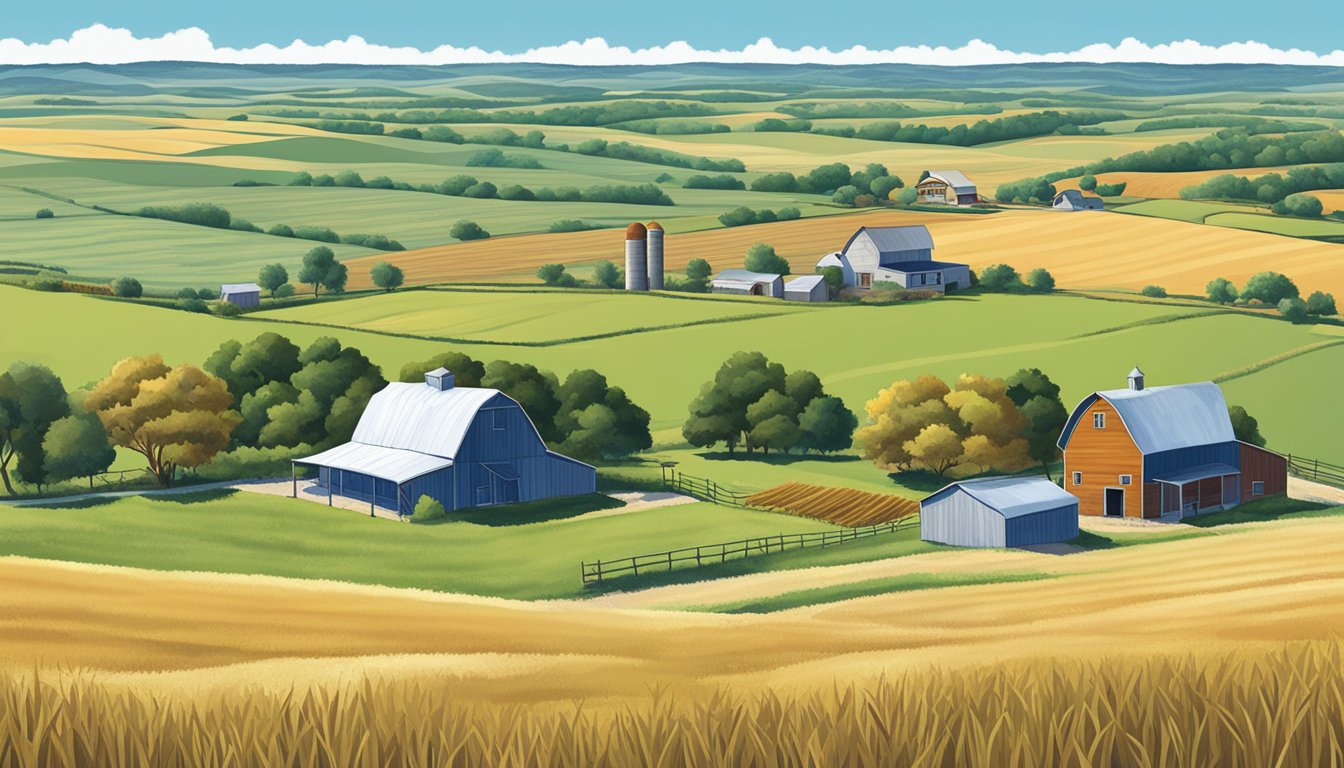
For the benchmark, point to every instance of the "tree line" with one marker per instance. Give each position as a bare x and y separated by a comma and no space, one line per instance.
1272,289
1273,188
211,215
464,185
836,179
607,275
572,115
980,132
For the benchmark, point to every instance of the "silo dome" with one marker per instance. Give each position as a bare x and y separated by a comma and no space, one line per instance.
636,231
655,225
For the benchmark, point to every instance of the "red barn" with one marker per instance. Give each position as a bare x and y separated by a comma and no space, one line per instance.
1162,451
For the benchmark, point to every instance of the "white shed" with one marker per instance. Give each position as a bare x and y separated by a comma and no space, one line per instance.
999,512
747,283
807,288
241,294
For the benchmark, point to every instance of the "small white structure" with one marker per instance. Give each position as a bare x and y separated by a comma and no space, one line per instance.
747,283
900,255
1075,200
999,512
946,188
807,288
241,294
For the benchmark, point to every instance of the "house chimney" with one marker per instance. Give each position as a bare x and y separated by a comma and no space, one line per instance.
1136,379
440,379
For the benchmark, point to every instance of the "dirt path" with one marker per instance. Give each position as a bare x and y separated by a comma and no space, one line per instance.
1320,493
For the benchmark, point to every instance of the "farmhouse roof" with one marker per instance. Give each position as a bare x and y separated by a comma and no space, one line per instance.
955,179
231,288
1078,200
1165,418
835,259
1010,496
890,240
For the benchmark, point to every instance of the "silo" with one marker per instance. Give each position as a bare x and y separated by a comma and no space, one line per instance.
636,258
655,256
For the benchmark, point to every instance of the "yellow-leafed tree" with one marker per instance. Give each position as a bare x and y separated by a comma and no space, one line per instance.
174,417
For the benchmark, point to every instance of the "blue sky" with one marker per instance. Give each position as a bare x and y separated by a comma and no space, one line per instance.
521,24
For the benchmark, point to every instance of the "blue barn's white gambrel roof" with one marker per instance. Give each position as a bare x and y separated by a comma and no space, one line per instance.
1010,496
1165,418
894,240
230,289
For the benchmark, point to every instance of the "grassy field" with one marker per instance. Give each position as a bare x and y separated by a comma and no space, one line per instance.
1075,340
233,532
516,317
1280,225
1189,211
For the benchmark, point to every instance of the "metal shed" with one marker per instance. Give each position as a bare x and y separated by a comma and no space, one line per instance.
747,283
807,288
241,294
462,446
999,512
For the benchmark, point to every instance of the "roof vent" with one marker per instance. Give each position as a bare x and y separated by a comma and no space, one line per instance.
440,379
1136,379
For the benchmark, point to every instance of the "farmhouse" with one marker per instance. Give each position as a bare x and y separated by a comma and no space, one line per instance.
900,255
462,446
999,512
1162,452
1074,200
807,288
946,188
241,294
747,283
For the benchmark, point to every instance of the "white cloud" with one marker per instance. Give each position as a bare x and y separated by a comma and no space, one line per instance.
100,44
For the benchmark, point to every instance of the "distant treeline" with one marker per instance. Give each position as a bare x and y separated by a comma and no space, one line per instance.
1300,111
826,179
982,132
741,217
840,109
463,185
672,127
624,150
1253,125
1269,188
211,215
579,116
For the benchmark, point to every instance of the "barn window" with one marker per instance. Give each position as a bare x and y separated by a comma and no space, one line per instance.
500,419
1077,478
1126,479
865,280
1099,420
1258,488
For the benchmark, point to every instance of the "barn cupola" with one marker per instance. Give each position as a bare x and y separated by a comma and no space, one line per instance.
1136,379
440,379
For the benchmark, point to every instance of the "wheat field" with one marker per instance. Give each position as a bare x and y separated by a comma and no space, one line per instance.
842,506
1081,250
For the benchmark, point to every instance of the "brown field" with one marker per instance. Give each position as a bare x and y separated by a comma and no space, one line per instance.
842,506
1108,659
1081,250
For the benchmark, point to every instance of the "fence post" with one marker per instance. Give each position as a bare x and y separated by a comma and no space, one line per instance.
669,561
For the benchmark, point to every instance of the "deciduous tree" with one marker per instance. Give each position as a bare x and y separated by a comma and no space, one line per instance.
32,398
77,446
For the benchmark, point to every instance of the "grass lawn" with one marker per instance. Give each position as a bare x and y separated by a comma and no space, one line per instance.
525,317
537,556
1263,510
867,588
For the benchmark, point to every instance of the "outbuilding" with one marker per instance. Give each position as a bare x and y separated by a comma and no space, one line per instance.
1074,200
807,288
999,512
461,446
241,294
744,282
901,256
946,188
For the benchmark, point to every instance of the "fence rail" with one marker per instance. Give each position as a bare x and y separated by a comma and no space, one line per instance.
1316,470
702,488
694,557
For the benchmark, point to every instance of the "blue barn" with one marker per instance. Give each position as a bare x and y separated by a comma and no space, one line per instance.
462,446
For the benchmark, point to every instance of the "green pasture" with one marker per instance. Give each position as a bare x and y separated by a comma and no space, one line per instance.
525,317
1279,225
1083,344
534,556
161,254
1193,211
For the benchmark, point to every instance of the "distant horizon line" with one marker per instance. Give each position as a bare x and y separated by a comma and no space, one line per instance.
100,44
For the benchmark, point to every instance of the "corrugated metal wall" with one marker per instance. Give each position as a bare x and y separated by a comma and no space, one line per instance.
962,521
1048,527
1164,462
436,485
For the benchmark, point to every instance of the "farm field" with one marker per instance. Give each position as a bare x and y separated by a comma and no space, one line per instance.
526,318
1242,594
1075,340
239,532
1082,250
1189,211
1166,184
1280,225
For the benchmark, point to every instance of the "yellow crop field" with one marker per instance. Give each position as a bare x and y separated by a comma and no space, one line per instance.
842,506
1331,199
1081,250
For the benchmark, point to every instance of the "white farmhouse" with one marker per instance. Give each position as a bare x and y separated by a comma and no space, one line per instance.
900,255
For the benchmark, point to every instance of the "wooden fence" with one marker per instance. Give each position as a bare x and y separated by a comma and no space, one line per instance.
702,488
598,572
1316,470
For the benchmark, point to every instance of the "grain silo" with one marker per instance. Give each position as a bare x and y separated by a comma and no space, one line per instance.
637,258
655,256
